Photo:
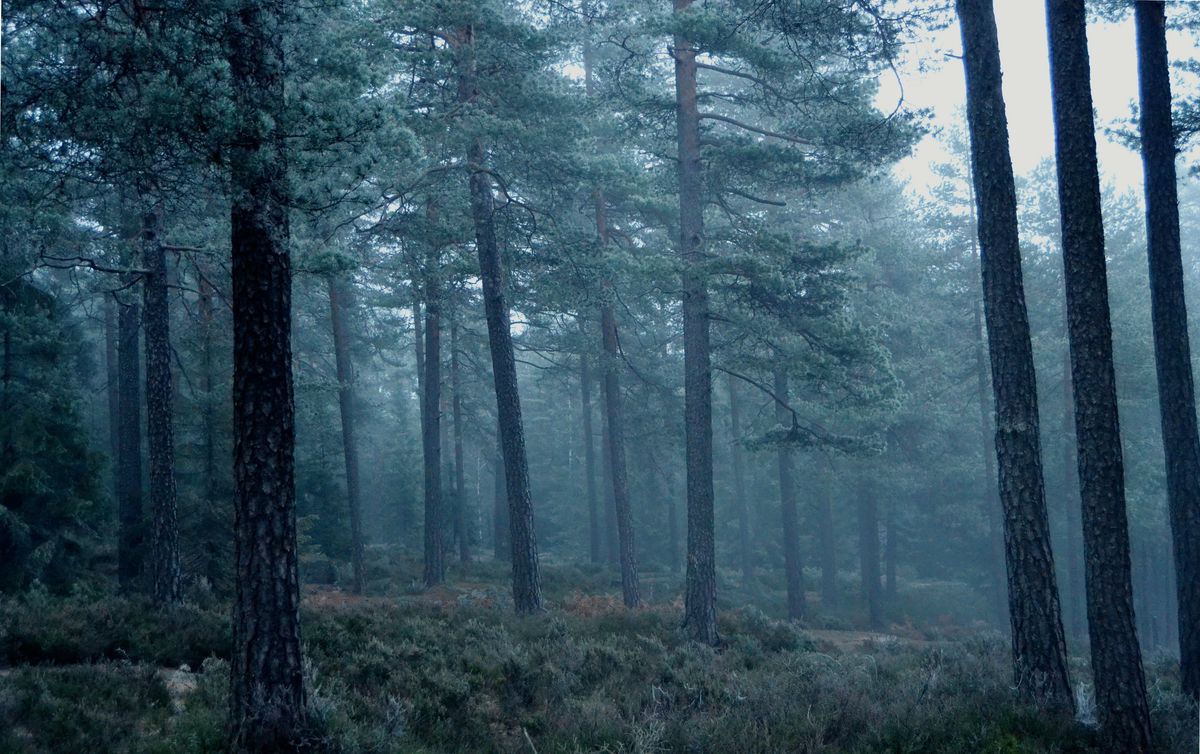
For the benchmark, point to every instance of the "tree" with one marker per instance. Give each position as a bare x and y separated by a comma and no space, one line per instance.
595,535
1177,398
339,305
1038,645
793,568
267,696
1116,657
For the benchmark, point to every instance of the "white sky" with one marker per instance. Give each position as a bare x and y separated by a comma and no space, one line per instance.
933,80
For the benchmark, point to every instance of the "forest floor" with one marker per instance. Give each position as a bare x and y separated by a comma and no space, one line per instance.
453,670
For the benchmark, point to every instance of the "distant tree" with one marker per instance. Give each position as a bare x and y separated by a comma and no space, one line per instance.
340,305
1116,656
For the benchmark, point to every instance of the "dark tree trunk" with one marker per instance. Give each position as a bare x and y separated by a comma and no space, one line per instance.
1039,649
792,566
431,429
460,479
112,370
828,539
614,438
745,555
700,594
1075,610
1116,658
267,697
129,452
165,576
589,462
340,305
1177,395
527,587
215,562
868,551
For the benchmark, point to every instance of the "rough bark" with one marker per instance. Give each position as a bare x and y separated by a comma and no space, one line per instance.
1116,657
460,479
745,554
1038,646
431,430
340,304
1176,390
700,592
790,532
165,574
527,589
1074,607
130,533
267,696
868,551
595,535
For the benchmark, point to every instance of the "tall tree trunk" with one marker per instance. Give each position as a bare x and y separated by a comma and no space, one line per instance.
130,534
431,428
745,555
165,576
214,566
112,370
868,551
1038,645
700,594
340,304
828,539
267,698
460,479
589,462
527,587
1075,610
1176,390
1116,658
792,566
614,438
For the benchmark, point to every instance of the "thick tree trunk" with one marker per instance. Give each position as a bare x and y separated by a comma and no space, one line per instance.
595,535
745,555
460,478
1075,611
431,429
1116,658
700,594
527,588
267,697
614,411
868,551
130,533
792,566
165,576
1039,649
1176,390
340,304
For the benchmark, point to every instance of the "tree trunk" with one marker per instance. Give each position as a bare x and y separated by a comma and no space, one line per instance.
129,453
431,429
700,595
1075,589
460,478
1177,395
589,462
868,551
828,538
1038,646
165,576
112,369
215,562
527,587
1116,658
792,566
340,304
745,555
267,697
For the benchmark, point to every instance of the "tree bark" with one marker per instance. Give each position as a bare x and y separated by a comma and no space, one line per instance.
1172,350
745,555
1038,645
130,534
460,479
267,697
792,566
1075,610
431,430
527,588
340,304
1116,658
700,594
589,463
868,551
165,575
